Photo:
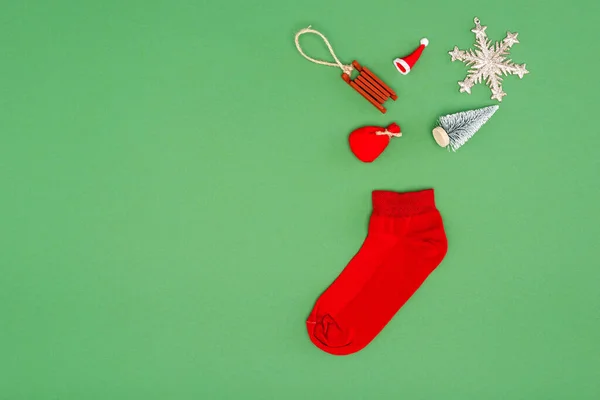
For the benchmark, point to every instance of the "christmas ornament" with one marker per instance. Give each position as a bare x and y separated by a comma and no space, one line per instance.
488,62
456,129
405,64
368,142
366,82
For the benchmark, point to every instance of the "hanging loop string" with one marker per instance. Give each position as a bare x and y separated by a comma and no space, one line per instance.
347,69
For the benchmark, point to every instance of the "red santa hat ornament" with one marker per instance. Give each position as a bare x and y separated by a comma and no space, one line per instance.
405,64
368,142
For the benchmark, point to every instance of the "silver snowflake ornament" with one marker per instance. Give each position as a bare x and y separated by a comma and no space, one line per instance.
488,62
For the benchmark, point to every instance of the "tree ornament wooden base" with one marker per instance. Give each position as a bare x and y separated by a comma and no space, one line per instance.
441,136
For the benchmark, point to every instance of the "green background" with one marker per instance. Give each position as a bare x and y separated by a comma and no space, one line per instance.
177,190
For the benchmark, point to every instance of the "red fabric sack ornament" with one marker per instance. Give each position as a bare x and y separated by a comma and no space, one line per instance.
368,142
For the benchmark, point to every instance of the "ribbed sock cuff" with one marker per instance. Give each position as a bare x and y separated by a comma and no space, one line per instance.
396,204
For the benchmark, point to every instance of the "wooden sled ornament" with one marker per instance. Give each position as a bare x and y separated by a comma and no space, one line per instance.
370,86
366,82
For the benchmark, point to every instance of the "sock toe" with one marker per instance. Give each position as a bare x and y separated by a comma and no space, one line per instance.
328,335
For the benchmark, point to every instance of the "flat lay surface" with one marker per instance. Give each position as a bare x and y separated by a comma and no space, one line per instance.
178,190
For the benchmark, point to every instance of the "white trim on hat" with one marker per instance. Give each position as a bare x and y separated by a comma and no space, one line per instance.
404,64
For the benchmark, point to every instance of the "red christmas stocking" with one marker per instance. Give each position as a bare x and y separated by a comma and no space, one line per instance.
405,243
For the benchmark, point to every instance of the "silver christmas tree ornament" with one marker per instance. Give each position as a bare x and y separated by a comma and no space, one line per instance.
455,129
488,62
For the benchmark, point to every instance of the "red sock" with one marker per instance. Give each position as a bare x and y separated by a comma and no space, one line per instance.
405,243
